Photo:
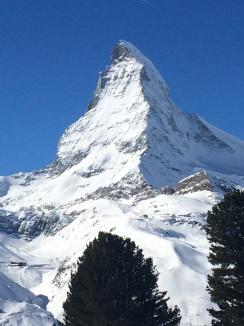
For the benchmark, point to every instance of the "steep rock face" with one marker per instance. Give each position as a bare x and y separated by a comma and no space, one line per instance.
197,182
136,126
111,137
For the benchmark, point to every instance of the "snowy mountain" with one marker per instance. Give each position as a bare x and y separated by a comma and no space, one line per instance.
135,165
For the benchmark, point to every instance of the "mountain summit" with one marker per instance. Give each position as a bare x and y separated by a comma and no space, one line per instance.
132,141
132,126
134,164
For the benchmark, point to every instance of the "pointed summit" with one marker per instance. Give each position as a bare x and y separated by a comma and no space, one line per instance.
126,51
129,67
133,127
123,50
134,131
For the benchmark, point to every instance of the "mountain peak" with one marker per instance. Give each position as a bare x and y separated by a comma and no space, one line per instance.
132,125
129,68
125,50
121,51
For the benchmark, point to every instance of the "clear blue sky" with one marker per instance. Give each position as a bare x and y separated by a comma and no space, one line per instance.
52,50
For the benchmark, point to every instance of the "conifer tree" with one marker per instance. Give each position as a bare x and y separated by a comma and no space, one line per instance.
225,231
116,286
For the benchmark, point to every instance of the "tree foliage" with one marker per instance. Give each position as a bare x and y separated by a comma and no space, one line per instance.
116,286
225,231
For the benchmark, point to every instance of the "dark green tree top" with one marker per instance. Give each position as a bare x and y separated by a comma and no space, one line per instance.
225,232
116,286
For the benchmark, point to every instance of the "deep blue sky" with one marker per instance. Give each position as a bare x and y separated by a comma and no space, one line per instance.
52,50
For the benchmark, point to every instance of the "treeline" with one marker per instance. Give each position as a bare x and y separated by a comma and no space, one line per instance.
115,285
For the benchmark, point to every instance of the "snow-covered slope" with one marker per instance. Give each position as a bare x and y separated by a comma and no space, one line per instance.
132,116
18,305
135,165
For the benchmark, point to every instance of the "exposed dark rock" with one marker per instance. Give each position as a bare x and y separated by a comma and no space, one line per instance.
34,222
149,192
144,75
4,186
102,81
8,222
64,267
132,146
223,185
121,52
31,222
202,134
196,182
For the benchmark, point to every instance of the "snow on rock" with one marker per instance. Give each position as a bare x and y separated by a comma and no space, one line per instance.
135,165
12,291
24,314
18,305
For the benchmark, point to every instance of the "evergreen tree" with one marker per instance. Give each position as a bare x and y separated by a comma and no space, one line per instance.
116,286
225,231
